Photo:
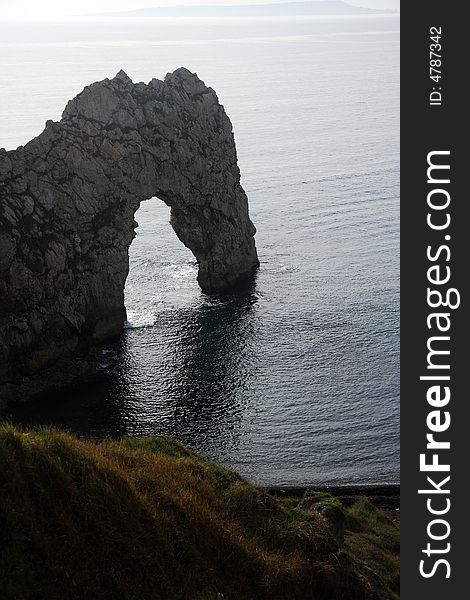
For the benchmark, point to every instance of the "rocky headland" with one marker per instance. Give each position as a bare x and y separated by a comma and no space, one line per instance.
67,205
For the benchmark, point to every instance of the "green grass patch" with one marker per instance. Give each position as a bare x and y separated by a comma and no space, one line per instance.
373,539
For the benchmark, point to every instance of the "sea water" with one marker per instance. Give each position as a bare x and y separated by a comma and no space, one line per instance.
293,380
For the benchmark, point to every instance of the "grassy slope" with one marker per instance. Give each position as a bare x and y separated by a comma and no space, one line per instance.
150,520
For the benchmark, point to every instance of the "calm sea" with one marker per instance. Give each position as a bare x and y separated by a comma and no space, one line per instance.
294,380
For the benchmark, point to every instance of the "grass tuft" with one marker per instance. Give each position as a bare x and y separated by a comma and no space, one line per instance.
373,539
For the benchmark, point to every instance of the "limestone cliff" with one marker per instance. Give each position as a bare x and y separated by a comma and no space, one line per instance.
67,204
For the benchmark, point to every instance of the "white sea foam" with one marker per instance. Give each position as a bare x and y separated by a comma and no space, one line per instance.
183,271
139,319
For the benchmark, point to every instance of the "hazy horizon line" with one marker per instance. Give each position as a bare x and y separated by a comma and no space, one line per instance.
273,8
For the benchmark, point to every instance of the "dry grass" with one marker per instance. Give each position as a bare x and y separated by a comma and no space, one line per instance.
373,539
138,520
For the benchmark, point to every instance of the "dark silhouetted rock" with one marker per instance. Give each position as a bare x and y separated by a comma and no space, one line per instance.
67,204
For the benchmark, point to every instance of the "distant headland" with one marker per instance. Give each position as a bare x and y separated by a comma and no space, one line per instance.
283,9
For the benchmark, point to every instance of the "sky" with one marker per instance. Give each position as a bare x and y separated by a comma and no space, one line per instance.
56,8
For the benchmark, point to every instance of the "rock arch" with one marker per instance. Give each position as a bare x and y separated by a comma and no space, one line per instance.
67,204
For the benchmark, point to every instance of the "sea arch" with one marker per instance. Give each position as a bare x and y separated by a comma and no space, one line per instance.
67,205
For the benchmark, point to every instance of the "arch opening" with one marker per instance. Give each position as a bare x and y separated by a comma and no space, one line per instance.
162,270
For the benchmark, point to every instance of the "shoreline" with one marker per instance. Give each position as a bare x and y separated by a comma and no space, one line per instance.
385,496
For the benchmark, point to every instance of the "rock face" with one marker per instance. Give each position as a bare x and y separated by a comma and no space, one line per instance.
67,204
